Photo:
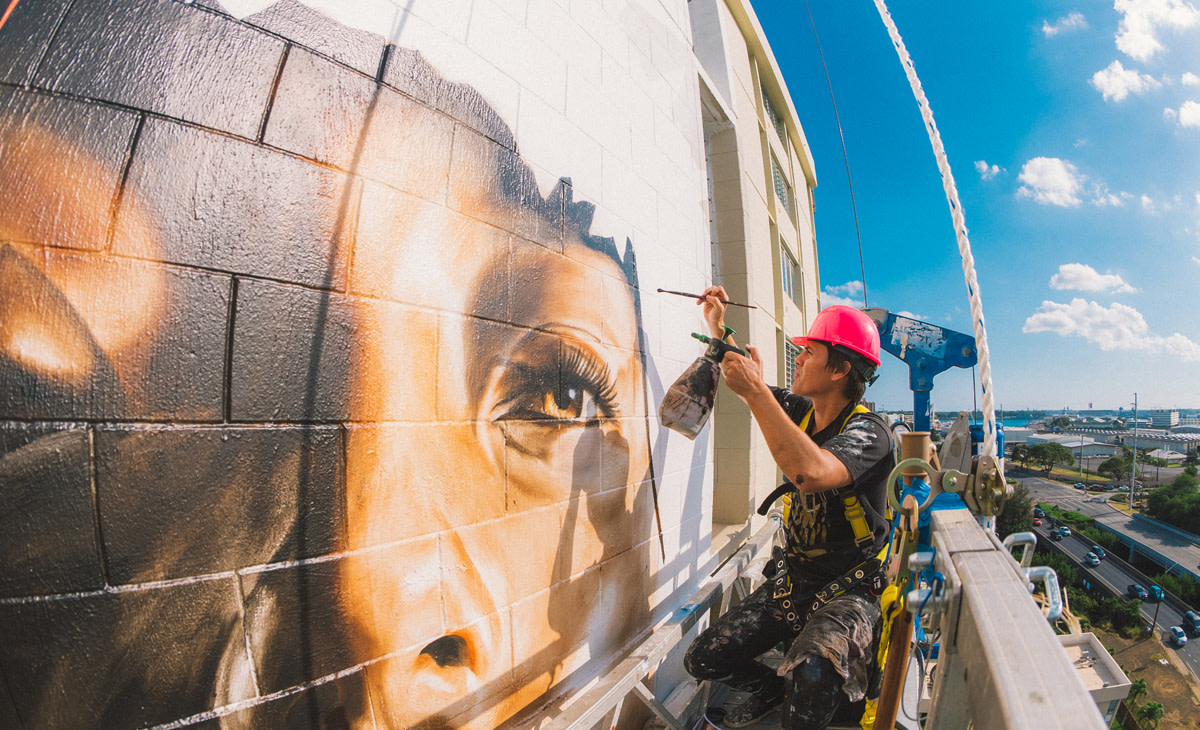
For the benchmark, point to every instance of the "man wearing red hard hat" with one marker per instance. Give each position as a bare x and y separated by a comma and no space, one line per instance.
821,599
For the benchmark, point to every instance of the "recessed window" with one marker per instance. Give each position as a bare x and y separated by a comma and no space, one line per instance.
790,275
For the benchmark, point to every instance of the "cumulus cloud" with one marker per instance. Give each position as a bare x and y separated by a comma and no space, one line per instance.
1137,35
1117,82
1106,199
1051,181
1189,114
1074,21
1147,204
986,171
1081,277
1118,327
1189,79
850,294
1054,181
1196,259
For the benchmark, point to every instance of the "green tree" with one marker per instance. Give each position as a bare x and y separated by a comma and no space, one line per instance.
1136,689
1019,453
1117,468
1063,422
1049,455
1151,712
1017,515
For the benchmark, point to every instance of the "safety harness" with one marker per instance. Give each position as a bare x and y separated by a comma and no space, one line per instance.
870,572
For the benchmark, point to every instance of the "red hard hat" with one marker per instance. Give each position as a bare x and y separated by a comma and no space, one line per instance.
845,326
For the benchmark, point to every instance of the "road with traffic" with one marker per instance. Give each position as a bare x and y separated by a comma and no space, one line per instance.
1111,572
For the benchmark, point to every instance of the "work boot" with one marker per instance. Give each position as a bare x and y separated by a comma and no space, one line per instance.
753,708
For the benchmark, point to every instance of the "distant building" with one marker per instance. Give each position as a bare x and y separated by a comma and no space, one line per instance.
1171,457
1079,445
1164,418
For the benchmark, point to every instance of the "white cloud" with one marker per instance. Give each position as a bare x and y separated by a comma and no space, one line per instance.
1074,21
1189,79
986,171
850,294
1117,82
1196,259
1118,327
1147,204
1137,35
1189,114
1081,277
1051,181
1110,200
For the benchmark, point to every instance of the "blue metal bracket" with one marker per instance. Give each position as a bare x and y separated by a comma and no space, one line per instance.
927,350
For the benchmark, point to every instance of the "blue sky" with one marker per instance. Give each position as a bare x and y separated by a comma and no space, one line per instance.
1073,133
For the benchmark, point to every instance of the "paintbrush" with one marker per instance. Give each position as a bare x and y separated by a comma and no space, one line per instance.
697,296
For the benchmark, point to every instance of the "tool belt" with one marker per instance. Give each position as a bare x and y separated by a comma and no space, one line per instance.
868,574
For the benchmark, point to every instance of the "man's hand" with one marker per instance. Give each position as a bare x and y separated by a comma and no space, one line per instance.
744,375
714,310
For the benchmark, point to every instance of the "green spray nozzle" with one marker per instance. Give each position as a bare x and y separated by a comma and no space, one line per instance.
717,348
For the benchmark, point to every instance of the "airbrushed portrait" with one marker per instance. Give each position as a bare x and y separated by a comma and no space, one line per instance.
336,422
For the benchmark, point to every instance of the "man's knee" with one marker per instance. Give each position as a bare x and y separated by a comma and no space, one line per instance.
702,659
816,673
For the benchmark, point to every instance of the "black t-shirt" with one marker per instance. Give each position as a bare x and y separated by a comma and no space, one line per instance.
820,539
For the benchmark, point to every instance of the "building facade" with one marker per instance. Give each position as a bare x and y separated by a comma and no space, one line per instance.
332,345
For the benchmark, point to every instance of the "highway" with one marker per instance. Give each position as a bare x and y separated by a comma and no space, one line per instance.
1110,572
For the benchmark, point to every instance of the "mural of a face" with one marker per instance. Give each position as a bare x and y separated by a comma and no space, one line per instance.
487,517
485,511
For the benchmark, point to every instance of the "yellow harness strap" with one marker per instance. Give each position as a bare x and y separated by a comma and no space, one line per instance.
854,511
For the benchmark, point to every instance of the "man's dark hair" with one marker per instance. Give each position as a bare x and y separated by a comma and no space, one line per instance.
860,371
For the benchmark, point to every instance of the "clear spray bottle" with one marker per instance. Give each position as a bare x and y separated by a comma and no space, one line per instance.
689,401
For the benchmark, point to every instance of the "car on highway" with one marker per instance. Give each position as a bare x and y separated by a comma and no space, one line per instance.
1177,636
1039,512
1136,591
1099,552
1122,489
1091,559
1055,535
1156,593
1191,622
1037,522
1064,531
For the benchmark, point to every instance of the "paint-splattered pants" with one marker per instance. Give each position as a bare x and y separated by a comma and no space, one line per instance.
835,648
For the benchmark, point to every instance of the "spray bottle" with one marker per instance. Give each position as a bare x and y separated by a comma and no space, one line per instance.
689,401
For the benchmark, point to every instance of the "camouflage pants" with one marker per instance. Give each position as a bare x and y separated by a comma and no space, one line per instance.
836,647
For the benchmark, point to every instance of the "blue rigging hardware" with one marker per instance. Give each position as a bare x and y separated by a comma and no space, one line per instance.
927,350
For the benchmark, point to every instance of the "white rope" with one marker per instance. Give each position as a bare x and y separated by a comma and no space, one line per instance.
960,230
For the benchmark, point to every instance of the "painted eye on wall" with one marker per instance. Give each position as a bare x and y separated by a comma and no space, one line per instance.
559,383
547,385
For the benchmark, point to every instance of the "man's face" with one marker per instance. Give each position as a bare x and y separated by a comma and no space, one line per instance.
813,375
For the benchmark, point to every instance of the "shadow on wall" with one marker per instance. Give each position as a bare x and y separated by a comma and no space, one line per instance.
314,410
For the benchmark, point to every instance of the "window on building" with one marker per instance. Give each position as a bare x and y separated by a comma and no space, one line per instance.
773,116
783,189
791,352
790,274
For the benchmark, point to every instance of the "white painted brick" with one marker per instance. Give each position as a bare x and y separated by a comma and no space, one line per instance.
552,22
451,17
602,26
590,107
629,195
558,148
508,44
457,63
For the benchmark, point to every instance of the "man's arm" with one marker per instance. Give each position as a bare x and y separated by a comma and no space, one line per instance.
810,467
